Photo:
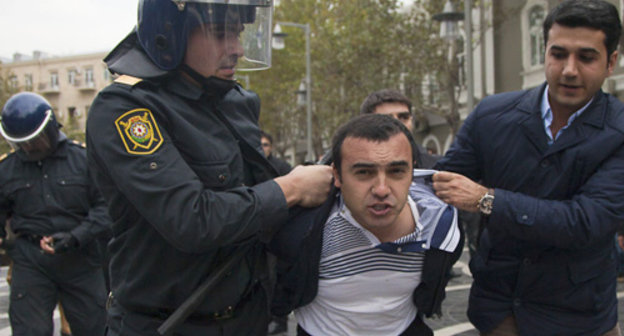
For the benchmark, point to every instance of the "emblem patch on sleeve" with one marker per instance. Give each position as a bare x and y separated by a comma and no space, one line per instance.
139,131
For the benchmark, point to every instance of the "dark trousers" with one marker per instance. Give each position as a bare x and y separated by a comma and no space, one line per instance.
40,281
250,318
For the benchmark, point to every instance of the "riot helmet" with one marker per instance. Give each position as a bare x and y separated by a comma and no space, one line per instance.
28,124
239,28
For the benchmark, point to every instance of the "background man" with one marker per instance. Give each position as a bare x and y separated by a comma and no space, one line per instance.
397,105
373,259
175,148
56,214
282,167
551,162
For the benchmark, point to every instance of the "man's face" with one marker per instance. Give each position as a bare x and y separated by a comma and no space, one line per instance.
374,180
266,146
397,111
576,65
214,50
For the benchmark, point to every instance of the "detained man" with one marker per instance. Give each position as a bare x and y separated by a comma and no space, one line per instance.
360,263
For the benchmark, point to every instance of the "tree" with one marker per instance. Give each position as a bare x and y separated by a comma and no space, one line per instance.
356,48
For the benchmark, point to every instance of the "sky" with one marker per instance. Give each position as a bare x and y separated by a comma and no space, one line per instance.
64,27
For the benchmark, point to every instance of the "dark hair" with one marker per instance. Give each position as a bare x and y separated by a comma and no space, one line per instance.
384,96
597,14
374,127
264,134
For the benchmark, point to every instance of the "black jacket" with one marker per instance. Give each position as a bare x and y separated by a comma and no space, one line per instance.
180,193
52,195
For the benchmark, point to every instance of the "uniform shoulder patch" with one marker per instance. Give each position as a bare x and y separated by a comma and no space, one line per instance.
139,132
128,80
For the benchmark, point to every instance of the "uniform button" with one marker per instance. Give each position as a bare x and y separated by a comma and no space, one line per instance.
48,196
424,245
45,176
525,217
63,182
153,165
222,178
399,249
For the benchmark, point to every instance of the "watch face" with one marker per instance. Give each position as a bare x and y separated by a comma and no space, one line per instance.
485,204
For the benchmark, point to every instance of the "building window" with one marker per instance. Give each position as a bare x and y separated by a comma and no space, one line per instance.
54,80
536,47
107,75
13,83
71,74
89,77
533,48
28,82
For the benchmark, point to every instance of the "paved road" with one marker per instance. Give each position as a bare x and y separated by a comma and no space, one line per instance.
453,321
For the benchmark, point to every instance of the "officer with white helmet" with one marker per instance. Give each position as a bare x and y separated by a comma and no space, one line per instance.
174,146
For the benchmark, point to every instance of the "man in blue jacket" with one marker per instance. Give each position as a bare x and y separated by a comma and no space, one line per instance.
551,161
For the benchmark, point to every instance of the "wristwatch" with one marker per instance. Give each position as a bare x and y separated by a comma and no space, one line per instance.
486,202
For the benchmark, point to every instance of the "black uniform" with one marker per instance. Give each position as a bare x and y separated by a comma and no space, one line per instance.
183,201
42,198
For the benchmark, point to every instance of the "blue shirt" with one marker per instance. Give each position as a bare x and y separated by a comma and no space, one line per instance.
547,117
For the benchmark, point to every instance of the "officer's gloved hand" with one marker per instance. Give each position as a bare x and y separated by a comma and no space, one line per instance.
63,242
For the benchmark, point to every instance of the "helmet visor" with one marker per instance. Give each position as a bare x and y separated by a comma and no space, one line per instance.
224,38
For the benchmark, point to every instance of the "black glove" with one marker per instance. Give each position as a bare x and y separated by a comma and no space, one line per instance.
63,242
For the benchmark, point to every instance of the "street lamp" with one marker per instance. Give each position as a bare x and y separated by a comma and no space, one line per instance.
448,31
278,43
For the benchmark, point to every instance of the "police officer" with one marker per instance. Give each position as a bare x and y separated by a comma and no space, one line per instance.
174,146
56,214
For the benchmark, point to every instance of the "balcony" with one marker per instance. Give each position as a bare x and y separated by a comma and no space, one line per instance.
84,86
48,89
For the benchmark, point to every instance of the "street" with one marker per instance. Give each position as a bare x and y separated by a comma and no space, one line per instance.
453,321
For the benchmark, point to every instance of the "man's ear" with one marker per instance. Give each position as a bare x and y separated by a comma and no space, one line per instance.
612,62
337,182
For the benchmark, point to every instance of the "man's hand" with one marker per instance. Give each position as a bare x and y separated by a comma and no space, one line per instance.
58,243
620,239
306,186
458,190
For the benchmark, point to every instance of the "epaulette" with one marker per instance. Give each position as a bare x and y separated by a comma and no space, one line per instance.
128,80
81,144
5,155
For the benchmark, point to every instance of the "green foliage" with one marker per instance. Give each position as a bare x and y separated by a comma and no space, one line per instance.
356,47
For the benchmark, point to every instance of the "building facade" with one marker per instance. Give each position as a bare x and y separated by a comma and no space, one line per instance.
69,83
